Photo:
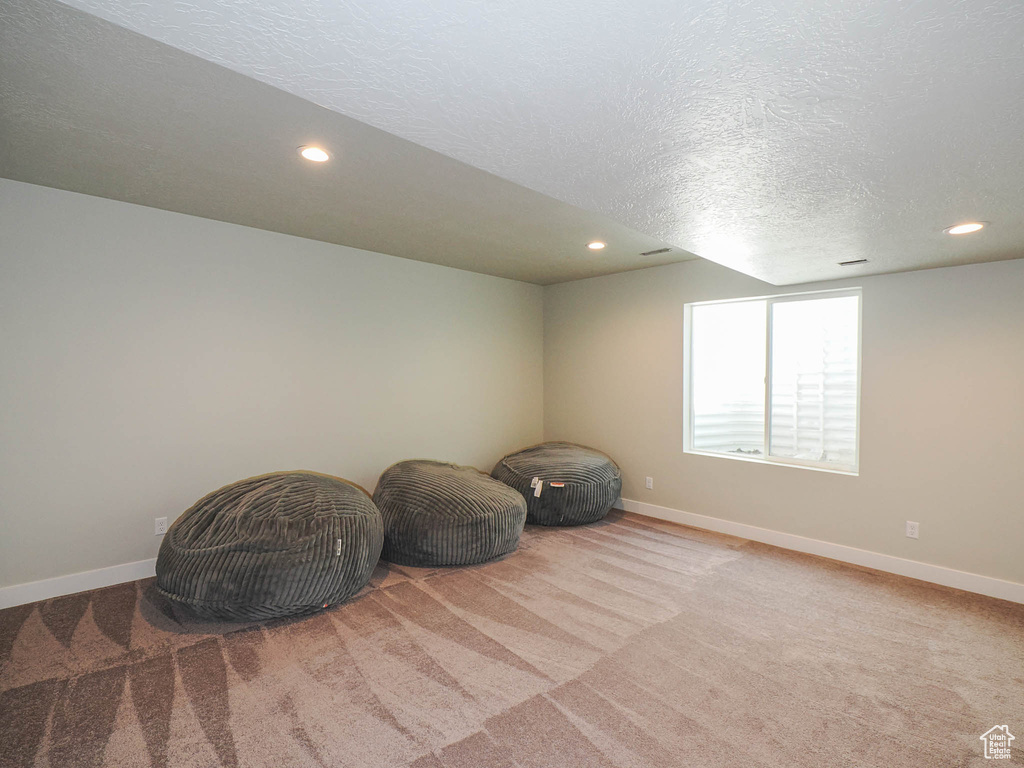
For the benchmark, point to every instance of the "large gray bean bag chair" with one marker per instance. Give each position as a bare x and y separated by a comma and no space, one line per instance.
274,545
443,514
578,485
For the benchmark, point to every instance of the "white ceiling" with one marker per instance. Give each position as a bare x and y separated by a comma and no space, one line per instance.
778,137
91,107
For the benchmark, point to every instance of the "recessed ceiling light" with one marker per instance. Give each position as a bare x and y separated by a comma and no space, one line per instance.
315,154
597,245
965,229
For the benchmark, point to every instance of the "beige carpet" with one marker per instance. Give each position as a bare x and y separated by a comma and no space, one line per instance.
627,643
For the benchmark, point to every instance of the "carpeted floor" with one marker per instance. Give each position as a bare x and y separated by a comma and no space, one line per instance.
627,643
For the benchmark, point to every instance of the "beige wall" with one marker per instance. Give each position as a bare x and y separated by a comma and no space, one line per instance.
942,422
150,357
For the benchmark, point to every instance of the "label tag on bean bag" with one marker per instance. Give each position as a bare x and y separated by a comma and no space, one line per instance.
538,488
557,485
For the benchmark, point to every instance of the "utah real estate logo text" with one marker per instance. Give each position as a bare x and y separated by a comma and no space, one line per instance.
997,742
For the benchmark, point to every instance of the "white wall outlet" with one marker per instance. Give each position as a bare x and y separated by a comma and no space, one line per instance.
159,526
913,529
650,483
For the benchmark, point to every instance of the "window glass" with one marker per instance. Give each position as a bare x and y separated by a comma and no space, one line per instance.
802,353
728,360
814,380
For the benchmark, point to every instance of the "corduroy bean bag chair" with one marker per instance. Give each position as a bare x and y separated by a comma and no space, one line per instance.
275,545
443,514
578,485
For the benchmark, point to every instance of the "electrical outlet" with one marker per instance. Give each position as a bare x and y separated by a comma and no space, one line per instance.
913,529
159,526
650,483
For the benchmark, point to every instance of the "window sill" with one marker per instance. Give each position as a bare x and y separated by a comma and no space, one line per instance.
776,462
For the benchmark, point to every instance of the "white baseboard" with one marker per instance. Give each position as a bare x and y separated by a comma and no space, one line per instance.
44,589
936,574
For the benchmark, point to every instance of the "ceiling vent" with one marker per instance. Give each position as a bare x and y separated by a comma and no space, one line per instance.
851,263
656,252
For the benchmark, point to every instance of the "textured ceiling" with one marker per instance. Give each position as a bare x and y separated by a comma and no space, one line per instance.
777,137
91,107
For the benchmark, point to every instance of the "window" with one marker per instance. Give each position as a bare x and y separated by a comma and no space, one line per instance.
775,379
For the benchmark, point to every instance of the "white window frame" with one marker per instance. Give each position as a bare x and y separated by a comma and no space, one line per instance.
766,458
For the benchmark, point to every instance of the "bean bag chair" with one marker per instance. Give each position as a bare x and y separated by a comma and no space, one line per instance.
275,545
443,514
563,483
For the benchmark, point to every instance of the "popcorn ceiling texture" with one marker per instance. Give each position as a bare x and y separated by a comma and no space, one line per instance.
775,137
91,107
